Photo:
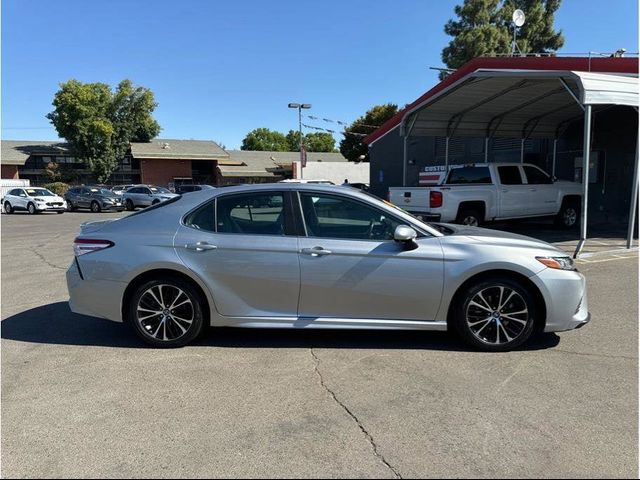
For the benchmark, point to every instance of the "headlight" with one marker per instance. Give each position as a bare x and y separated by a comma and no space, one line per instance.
559,263
39,200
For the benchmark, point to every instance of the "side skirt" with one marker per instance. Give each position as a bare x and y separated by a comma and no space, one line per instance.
327,323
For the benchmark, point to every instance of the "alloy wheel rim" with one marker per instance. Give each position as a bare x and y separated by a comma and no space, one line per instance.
165,312
497,315
94,207
31,208
570,216
470,221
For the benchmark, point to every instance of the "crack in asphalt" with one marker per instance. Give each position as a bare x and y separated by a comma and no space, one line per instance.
588,354
41,257
368,436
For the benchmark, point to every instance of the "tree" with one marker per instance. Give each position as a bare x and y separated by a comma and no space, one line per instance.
263,139
314,142
351,145
99,124
484,28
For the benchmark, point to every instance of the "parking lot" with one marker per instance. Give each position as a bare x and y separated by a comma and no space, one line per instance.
82,397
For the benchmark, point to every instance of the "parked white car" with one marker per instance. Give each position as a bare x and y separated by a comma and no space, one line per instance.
33,200
476,193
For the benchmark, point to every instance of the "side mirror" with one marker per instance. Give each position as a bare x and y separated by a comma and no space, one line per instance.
404,234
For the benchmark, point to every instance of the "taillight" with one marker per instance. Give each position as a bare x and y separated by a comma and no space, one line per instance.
88,245
435,199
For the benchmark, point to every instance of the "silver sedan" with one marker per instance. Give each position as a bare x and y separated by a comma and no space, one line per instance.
312,256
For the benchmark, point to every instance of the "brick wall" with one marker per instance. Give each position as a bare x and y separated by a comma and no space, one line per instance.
9,171
161,172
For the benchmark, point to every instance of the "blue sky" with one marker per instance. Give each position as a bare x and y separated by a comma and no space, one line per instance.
221,68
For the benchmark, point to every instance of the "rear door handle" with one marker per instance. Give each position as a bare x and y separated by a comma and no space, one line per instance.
315,251
200,246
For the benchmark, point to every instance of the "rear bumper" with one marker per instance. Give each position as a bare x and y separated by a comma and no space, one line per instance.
95,298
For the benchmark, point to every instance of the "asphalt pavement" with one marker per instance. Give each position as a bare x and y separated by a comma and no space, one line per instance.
82,397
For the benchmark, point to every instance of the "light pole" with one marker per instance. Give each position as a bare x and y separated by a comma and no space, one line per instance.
300,106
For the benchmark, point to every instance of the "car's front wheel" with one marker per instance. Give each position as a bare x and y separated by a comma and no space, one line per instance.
166,313
495,315
129,205
31,208
95,207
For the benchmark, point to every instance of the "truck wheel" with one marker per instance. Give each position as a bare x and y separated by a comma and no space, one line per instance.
568,216
470,217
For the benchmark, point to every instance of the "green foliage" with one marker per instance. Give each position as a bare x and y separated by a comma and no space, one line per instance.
484,28
99,124
59,188
263,139
313,142
60,173
351,145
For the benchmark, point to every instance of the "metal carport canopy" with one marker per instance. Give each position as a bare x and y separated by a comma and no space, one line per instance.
517,103
524,104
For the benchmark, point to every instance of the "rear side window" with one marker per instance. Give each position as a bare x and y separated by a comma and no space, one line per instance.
469,175
510,175
202,218
254,213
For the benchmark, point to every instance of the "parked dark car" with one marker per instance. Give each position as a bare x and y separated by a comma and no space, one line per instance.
360,186
180,189
95,199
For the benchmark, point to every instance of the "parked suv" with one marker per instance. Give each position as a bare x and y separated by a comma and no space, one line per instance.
120,189
145,195
33,200
94,198
180,189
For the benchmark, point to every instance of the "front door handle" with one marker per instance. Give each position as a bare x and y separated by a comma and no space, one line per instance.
200,246
315,251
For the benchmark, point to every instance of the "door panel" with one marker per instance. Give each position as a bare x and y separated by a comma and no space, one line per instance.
513,194
543,194
370,279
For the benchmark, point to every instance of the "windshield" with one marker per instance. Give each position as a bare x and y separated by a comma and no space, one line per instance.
39,192
102,191
159,190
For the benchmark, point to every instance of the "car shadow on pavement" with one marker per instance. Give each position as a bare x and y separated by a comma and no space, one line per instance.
56,324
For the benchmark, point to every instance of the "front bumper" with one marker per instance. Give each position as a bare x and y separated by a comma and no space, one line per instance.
42,207
565,296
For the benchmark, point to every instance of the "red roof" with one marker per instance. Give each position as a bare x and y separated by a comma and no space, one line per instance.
580,64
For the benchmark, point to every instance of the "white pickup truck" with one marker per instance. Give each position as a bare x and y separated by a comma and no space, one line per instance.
477,193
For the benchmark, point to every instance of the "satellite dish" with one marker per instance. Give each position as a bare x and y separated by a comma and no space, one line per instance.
518,18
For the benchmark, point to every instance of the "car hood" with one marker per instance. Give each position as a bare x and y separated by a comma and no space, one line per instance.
49,199
495,238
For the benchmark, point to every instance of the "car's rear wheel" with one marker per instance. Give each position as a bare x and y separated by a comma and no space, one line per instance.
470,217
129,205
31,208
495,315
95,207
568,216
8,208
166,313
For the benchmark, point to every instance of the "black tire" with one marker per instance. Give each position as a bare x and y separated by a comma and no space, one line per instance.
469,216
569,215
31,208
501,325
155,202
8,208
60,212
95,207
146,328
128,205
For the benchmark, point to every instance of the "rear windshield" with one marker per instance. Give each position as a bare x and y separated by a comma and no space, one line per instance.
469,175
156,206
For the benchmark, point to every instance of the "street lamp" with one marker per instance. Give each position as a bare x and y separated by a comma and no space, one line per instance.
300,106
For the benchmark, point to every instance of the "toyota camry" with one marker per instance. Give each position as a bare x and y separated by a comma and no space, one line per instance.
294,255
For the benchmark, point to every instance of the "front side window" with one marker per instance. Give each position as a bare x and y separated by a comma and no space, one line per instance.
253,213
536,176
510,175
469,175
330,216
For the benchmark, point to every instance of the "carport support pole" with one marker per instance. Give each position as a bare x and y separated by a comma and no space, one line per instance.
486,149
446,154
586,151
634,201
553,163
522,151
